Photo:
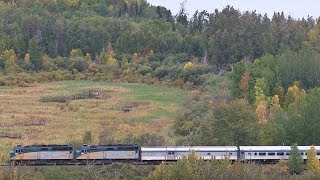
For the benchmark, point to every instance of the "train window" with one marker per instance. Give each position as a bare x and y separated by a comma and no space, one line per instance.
288,153
209,154
318,153
230,154
301,153
171,152
262,154
280,153
44,149
271,154
249,153
255,154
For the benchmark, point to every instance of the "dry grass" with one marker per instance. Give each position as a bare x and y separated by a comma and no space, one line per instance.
35,122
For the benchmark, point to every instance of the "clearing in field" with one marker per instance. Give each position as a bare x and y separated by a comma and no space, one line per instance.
60,112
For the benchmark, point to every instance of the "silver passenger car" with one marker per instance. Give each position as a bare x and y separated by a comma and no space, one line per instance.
174,153
267,153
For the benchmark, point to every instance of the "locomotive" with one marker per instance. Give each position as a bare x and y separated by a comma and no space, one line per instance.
106,154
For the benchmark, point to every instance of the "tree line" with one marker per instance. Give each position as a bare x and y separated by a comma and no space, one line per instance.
219,38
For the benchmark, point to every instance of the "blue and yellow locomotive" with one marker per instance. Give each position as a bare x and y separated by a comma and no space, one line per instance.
42,154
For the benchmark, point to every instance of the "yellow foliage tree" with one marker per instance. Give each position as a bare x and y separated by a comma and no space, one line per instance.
45,61
260,87
111,60
150,54
188,66
75,53
27,58
275,105
275,102
135,57
72,3
5,55
11,66
261,112
313,164
293,95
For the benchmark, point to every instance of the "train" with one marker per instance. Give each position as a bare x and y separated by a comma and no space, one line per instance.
106,154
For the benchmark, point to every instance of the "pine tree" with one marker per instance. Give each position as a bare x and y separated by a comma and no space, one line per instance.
88,60
103,57
313,164
295,160
35,54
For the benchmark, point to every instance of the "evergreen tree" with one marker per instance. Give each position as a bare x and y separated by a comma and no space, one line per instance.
295,160
88,60
313,164
35,54
182,16
103,57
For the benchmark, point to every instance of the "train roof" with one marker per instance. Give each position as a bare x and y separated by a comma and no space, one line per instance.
110,147
44,147
275,148
190,148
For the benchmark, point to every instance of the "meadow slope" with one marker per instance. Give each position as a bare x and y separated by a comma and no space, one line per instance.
28,115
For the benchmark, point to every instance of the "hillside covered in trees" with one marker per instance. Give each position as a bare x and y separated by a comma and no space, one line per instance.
254,75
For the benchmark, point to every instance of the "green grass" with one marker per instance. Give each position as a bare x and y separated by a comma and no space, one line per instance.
157,108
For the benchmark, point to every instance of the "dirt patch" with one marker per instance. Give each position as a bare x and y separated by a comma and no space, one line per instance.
134,106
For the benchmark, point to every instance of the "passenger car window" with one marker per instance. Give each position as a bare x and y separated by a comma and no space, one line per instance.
262,154
280,153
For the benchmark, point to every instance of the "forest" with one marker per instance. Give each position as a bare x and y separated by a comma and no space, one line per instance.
255,76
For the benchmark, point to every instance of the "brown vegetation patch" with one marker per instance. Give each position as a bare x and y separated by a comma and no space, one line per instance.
10,135
133,106
26,123
33,123
86,94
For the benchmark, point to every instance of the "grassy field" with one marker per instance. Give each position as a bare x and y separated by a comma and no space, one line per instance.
120,109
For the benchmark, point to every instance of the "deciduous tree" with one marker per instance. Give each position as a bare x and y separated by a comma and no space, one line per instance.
313,164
